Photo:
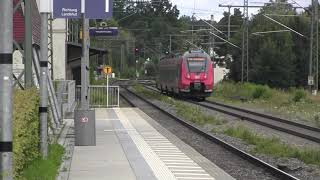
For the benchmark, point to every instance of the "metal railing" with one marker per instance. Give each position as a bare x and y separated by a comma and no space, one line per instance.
66,95
100,98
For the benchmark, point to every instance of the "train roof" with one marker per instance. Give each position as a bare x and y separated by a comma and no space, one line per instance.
197,53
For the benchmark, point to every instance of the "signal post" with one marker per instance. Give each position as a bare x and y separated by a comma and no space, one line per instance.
6,47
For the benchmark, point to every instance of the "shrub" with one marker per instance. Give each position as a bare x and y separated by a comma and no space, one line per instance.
45,169
247,91
263,92
317,119
25,128
299,95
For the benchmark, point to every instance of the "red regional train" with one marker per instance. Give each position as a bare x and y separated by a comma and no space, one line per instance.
190,74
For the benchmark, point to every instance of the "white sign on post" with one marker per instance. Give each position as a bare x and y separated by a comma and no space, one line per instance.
45,6
83,5
107,5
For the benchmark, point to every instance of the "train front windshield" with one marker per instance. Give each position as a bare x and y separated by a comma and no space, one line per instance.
197,65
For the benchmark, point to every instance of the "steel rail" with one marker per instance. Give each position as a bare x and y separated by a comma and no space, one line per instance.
275,171
280,124
277,123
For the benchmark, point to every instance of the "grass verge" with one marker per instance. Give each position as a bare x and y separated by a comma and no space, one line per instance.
261,145
40,169
188,112
273,146
292,103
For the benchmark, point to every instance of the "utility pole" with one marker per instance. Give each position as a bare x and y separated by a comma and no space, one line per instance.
170,46
51,45
121,60
28,44
212,40
6,48
245,43
229,22
85,63
43,109
192,26
160,50
313,79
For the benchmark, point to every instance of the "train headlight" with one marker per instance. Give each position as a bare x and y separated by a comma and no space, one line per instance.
205,75
188,76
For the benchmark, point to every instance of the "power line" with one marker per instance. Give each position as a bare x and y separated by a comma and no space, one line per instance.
225,40
268,32
284,26
211,25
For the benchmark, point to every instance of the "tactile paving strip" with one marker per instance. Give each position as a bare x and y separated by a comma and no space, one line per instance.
164,158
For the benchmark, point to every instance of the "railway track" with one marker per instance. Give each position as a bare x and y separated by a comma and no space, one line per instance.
280,124
257,162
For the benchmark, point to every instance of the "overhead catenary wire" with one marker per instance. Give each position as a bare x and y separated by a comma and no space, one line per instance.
284,15
269,32
284,26
193,44
211,25
225,40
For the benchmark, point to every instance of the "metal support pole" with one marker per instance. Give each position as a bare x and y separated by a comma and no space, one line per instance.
314,49
245,44
51,45
136,64
43,108
192,27
229,23
85,64
212,40
28,44
6,47
121,60
107,90
170,48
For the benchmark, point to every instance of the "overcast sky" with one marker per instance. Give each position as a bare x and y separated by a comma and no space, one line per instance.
204,8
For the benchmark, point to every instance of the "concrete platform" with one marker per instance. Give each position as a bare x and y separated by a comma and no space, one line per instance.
131,145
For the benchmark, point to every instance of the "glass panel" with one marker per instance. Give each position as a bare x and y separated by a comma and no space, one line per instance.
197,66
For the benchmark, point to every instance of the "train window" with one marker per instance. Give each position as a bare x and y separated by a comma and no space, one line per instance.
195,66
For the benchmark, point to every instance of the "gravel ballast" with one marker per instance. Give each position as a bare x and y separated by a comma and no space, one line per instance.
231,163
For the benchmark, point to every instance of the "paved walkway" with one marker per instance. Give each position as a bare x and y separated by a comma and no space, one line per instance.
129,148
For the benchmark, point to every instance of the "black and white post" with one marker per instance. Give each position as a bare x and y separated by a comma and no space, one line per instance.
6,47
43,108
85,60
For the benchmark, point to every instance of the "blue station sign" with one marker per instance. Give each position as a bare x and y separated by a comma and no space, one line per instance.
67,8
109,31
98,9
94,9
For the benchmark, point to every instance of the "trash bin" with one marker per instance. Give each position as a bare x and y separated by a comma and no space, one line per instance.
85,128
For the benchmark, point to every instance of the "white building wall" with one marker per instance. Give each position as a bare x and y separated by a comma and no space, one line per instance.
18,65
219,74
59,49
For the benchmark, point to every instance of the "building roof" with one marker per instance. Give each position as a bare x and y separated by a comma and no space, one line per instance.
19,23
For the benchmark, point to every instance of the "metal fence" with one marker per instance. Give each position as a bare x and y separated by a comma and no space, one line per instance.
66,95
100,98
